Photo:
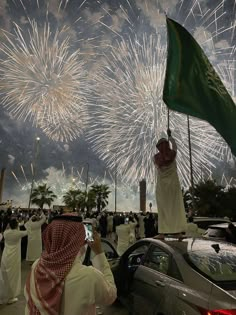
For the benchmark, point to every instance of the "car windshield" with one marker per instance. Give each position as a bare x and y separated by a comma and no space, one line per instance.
215,260
215,232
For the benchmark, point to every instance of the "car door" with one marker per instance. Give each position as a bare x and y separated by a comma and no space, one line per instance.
151,284
109,251
128,265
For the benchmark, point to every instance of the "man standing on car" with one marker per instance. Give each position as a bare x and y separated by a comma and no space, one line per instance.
169,198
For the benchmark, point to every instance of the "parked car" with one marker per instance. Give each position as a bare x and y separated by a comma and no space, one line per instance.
192,277
204,222
217,231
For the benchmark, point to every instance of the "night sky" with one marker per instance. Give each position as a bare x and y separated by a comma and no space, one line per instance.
94,27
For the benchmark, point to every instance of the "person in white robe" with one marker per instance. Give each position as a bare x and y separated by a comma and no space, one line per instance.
10,279
132,224
110,224
141,225
34,246
125,235
171,211
59,283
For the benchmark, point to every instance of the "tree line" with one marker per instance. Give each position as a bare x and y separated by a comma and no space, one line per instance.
95,198
207,198
211,199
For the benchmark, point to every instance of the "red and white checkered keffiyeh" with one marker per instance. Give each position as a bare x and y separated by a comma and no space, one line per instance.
62,240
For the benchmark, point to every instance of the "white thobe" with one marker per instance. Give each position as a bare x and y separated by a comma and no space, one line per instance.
141,226
85,287
110,224
34,247
10,279
171,211
132,236
125,237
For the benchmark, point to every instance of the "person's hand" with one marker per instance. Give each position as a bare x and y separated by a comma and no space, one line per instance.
168,132
96,245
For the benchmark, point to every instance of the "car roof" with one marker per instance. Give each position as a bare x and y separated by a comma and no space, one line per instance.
210,219
191,244
221,225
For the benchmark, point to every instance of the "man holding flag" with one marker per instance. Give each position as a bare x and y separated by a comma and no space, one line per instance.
171,211
192,87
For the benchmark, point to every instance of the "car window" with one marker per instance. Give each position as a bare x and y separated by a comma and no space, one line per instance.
203,224
215,232
108,250
136,256
141,249
158,260
174,271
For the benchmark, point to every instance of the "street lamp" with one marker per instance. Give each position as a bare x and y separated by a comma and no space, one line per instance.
35,156
114,152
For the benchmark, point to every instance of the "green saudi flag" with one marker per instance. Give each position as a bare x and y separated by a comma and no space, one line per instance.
193,87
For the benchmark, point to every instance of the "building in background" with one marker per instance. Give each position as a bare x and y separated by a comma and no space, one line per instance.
142,194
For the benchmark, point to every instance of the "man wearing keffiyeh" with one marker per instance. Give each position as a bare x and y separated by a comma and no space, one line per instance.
59,284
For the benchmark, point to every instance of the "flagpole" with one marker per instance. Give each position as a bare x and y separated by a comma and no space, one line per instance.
168,118
190,161
168,110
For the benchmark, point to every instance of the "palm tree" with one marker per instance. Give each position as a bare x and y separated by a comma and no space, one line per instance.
209,197
102,192
229,202
42,195
72,197
87,200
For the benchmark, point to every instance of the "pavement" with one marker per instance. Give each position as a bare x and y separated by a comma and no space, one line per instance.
19,307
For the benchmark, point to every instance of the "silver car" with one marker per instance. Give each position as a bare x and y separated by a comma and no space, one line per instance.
217,231
204,222
189,277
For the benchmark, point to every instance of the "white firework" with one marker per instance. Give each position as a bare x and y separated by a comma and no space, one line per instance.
227,71
43,81
130,116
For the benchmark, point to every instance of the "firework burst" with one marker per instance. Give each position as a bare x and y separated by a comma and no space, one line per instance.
130,116
41,80
62,180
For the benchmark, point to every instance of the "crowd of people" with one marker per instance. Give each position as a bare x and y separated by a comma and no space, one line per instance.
59,282
121,228
26,234
57,272
60,266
